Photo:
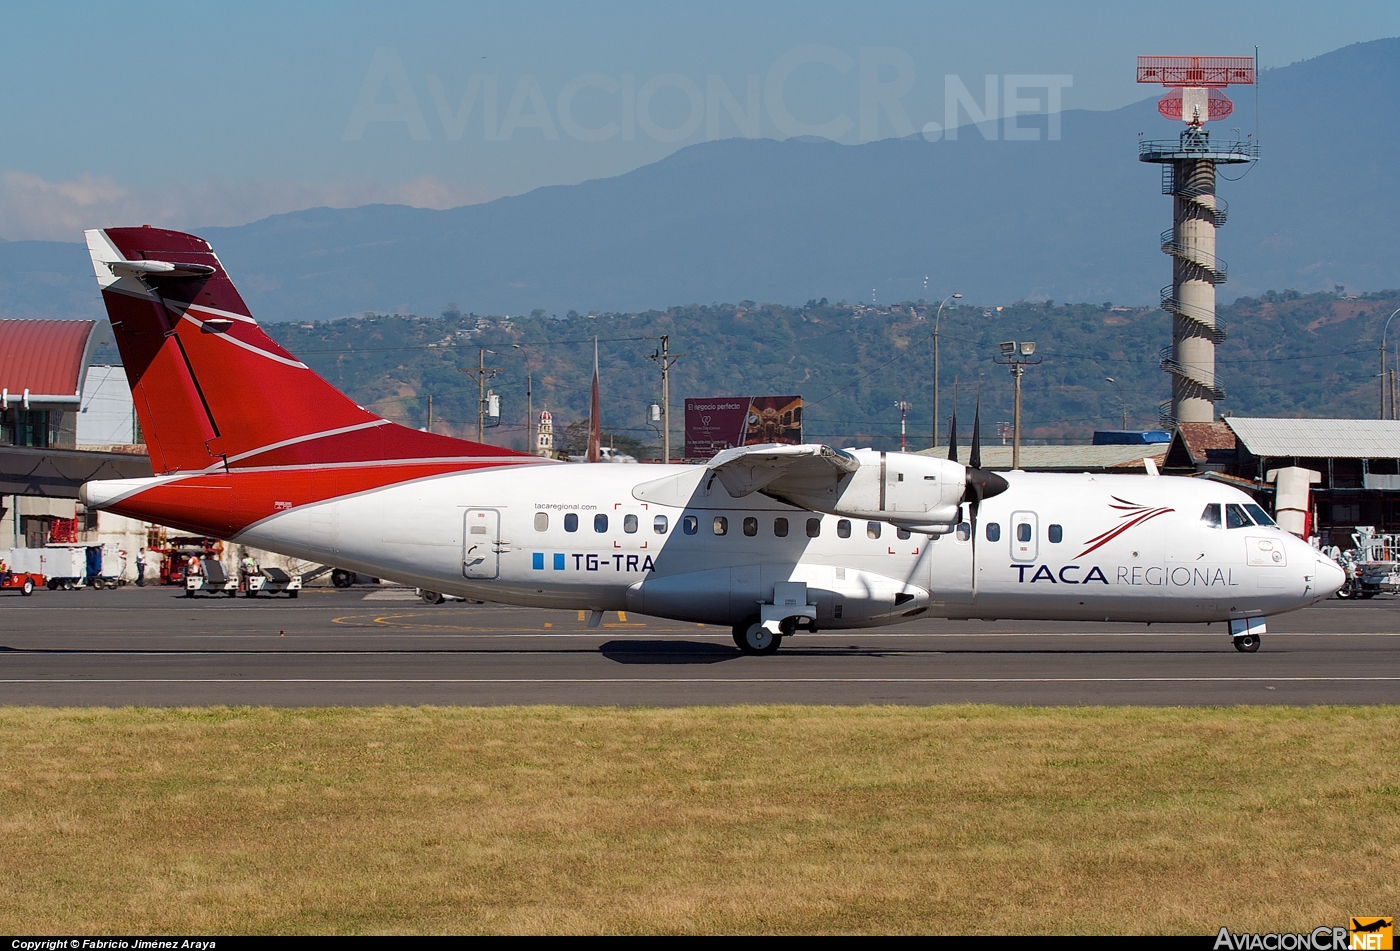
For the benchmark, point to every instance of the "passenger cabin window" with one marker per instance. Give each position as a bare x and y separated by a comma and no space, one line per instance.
659,525
1023,532
814,527
541,521
1236,516
872,529
629,524
1056,534
964,532
1211,516
993,532
843,528
721,525
903,533
690,525
600,523
1260,516
750,526
780,527
570,522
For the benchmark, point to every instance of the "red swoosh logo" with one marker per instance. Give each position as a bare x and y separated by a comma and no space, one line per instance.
1133,515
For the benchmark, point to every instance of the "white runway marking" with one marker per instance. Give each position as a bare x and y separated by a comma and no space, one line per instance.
698,680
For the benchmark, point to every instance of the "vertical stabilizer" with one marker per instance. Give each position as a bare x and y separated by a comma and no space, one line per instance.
211,389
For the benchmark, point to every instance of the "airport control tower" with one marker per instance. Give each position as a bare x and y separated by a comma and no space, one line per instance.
1188,174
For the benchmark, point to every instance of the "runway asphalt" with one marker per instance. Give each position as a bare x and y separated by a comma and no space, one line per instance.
153,647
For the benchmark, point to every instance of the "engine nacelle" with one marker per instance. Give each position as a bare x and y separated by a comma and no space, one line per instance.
920,493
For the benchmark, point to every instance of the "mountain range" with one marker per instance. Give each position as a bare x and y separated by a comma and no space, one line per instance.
1069,220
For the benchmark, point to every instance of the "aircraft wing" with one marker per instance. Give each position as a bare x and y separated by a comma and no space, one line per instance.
774,468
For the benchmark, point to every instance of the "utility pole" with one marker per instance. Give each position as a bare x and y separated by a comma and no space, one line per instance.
430,412
665,359
481,373
1018,357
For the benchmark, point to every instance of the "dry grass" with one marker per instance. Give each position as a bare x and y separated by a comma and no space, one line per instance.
734,819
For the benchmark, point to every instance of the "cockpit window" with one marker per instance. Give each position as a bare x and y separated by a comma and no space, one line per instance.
1211,516
1260,516
1236,517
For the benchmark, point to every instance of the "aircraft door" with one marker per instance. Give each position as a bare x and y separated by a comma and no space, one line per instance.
1025,536
481,537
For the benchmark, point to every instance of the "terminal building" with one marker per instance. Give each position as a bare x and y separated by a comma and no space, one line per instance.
63,422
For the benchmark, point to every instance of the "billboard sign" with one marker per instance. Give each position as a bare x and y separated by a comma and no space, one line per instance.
719,423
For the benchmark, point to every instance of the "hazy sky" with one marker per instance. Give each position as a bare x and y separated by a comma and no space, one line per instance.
212,114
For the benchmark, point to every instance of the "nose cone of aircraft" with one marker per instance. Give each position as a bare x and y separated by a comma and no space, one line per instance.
1330,577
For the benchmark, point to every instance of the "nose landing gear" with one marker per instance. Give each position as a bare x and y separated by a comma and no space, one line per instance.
1247,643
1246,632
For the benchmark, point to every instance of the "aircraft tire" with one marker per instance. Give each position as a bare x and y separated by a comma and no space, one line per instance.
342,578
751,637
431,597
1247,643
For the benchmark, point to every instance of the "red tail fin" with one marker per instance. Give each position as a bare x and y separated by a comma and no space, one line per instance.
211,389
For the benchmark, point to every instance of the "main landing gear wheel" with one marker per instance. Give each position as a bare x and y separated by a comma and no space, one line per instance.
752,637
1247,643
342,578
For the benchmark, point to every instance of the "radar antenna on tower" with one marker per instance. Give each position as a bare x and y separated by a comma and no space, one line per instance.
1194,96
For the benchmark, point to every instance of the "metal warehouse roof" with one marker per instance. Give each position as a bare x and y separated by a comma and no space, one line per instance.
45,357
1319,438
1062,458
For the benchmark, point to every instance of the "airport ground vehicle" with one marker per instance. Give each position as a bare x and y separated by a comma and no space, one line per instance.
1372,564
22,581
68,566
273,580
769,539
213,579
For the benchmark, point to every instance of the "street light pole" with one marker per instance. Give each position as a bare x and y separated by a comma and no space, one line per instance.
1122,402
936,319
1392,402
1017,356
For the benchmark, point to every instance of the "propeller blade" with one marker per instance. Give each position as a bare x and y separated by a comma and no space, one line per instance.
976,460
953,437
981,484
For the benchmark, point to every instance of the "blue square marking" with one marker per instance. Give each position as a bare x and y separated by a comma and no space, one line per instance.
558,561
537,561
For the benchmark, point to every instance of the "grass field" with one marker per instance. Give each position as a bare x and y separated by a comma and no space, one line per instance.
729,819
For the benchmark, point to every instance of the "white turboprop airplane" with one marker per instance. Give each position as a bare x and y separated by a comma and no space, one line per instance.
250,445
